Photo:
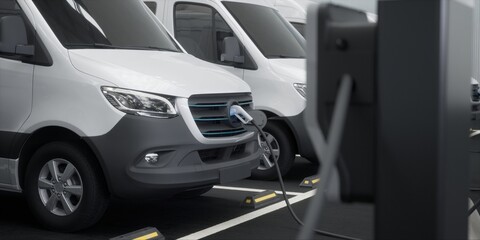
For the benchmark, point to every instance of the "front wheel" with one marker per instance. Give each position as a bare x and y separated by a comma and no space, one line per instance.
64,188
283,150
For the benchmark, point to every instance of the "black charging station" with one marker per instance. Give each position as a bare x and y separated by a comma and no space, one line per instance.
348,49
404,144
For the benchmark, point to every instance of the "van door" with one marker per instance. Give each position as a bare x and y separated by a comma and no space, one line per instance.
16,80
202,31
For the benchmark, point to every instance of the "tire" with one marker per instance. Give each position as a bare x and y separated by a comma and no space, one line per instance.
85,206
193,193
282,142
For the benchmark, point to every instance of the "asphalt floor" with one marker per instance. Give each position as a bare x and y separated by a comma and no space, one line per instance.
177,218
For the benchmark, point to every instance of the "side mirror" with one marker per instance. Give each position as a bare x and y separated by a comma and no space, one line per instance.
13,36
232,51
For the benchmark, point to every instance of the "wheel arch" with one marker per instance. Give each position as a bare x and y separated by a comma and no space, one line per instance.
281,120
47,135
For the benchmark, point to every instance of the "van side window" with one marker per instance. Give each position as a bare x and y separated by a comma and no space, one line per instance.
18,40
201,31
152,6
194,30
10,19
221,31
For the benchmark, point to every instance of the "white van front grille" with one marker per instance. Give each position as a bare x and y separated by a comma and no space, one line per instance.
211,114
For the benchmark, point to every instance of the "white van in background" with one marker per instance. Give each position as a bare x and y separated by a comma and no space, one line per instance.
95,104
295,11
252,40
369,6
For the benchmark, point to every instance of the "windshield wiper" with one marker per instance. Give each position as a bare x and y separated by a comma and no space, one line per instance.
109,46
283,56
153,48
91,45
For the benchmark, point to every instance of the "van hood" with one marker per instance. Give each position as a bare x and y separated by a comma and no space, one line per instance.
293,69
169,73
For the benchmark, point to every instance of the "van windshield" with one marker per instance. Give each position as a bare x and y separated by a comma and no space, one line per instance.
106,24
300,27
274,36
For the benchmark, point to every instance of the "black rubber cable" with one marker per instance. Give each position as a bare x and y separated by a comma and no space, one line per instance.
472,209
284,192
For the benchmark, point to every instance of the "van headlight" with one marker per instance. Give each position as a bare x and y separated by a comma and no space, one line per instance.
141,103
301,88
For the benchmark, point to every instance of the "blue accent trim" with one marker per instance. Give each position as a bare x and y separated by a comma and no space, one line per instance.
207,105
218,105
245,103
224,132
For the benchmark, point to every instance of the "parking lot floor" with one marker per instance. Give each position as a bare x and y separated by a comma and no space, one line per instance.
215,215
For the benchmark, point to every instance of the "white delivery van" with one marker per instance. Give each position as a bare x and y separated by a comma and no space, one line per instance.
252,40
293,12
98,100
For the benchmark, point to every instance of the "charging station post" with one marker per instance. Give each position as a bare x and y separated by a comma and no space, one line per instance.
424,70
410,101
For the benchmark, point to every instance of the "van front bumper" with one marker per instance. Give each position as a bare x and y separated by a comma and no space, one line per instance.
184,163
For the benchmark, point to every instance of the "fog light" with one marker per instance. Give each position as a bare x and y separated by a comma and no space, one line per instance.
151,158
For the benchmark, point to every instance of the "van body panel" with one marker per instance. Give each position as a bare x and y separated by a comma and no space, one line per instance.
291,69
5,171
80,106
155,71
16,80
282,99
8,175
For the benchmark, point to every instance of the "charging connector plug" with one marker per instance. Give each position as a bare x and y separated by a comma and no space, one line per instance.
241,114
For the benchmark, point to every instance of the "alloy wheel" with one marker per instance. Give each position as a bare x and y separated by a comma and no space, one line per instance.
267,159
60,187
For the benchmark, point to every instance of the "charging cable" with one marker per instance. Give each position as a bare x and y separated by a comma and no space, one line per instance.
474,133
245,118
473,208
